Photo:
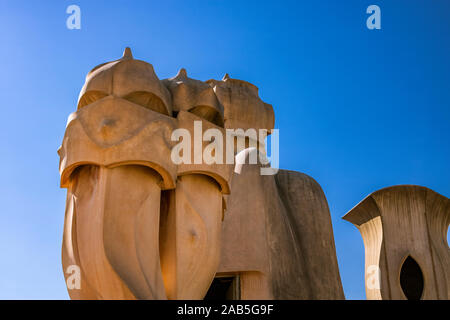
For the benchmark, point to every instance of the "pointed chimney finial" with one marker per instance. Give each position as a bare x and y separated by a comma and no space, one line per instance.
182,73
127,53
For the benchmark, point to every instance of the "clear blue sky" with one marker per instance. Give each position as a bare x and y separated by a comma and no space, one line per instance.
357,110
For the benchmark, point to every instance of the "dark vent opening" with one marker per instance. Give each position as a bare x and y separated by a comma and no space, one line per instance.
223,288
411,279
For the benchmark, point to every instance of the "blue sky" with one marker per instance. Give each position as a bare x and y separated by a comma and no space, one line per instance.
357,109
